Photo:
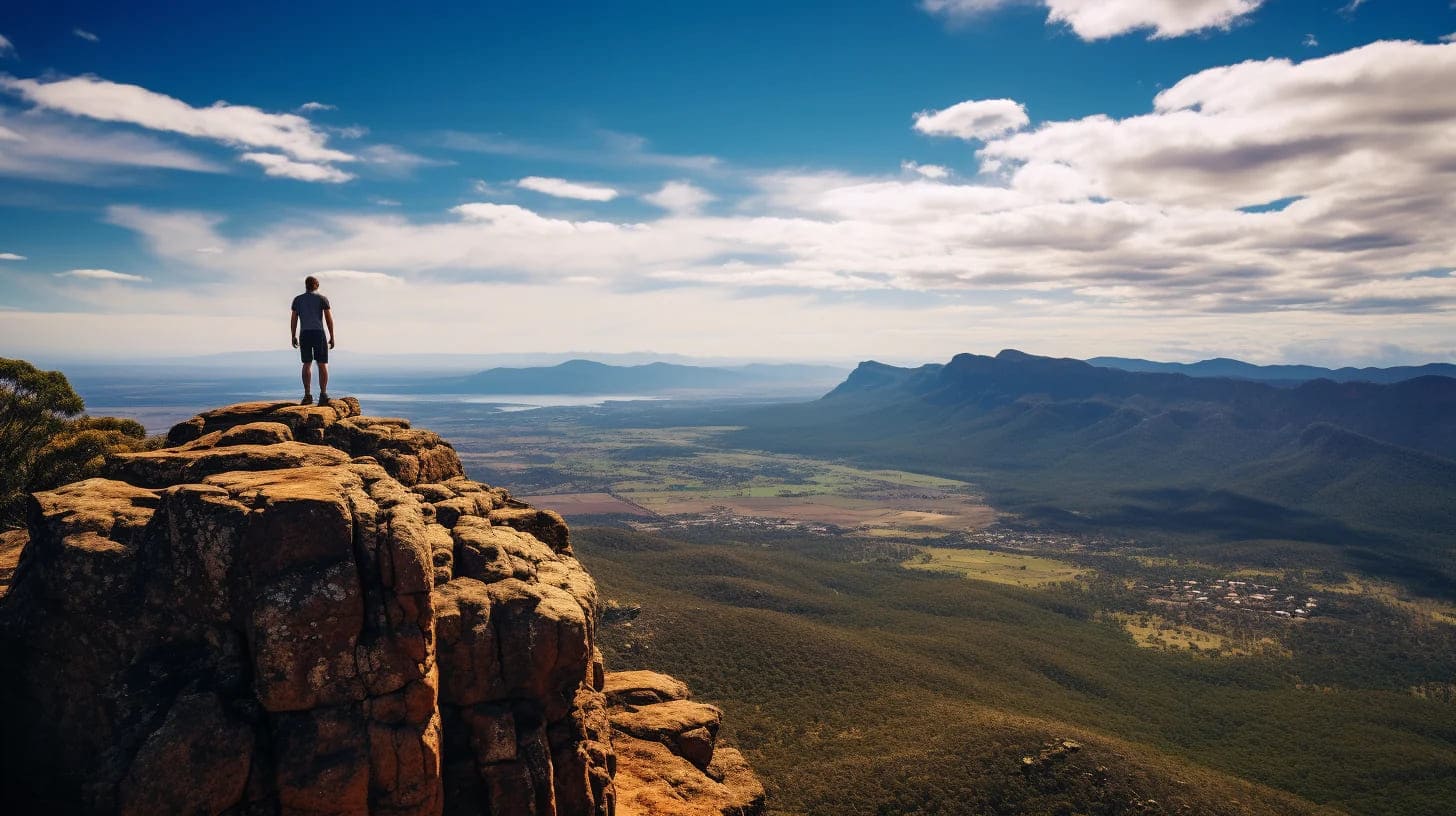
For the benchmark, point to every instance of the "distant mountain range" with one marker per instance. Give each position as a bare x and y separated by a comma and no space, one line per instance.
1366,467
1278,374
585,377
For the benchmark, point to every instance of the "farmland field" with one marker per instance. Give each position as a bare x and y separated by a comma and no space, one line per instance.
586,504
997,567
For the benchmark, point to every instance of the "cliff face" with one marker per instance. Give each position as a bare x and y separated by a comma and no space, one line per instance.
305,610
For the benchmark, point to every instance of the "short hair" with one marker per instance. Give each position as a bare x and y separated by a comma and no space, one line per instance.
310,283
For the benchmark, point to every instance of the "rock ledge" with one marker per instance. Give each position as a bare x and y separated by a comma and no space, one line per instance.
306,610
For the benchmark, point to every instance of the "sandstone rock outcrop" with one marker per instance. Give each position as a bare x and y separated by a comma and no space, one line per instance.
668,760
305,610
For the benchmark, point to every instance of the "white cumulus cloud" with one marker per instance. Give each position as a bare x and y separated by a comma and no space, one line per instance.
973,119
680,197
1376,118
276,164
101,275
11,256
561,188
1101,19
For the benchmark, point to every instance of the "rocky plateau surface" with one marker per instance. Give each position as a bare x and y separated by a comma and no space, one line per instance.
304,610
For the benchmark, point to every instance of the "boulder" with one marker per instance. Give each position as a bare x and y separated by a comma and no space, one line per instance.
255,433
638,688
653,781
687,728
546,525
668,760
412,456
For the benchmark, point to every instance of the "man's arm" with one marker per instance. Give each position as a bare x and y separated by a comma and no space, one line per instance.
293,327
329,319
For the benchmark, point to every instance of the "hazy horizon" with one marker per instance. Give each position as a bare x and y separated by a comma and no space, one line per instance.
266,359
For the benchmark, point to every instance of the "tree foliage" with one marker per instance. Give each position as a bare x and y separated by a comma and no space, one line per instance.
46,440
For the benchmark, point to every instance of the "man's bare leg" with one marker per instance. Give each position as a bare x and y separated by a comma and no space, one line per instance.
308,378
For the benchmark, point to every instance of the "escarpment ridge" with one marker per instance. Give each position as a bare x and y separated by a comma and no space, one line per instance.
295,609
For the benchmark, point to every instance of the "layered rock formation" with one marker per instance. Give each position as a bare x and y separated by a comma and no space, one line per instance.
304,610
668,760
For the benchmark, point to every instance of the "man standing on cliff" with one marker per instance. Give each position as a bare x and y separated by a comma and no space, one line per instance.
311,311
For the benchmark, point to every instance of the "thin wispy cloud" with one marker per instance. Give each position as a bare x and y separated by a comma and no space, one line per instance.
244,125
102,275
633,149
45,147
357,275
281,166
302,150
396,161
7,49
85,35
930,171
1103,19
311,107
561,188
485,220
613,149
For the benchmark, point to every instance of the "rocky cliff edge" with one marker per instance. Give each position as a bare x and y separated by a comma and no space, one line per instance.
304,610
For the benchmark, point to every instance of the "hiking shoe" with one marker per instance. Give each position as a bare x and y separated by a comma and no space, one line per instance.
324,399
307,400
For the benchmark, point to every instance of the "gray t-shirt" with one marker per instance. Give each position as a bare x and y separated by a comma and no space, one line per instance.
310,307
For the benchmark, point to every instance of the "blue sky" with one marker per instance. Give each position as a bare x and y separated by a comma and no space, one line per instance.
895,180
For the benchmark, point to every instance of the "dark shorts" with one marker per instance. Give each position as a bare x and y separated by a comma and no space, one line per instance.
313,345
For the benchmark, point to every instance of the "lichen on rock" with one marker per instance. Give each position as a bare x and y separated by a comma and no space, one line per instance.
301,609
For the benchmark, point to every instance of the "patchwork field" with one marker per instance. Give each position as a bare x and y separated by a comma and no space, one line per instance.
1156,632
997,567
586,504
